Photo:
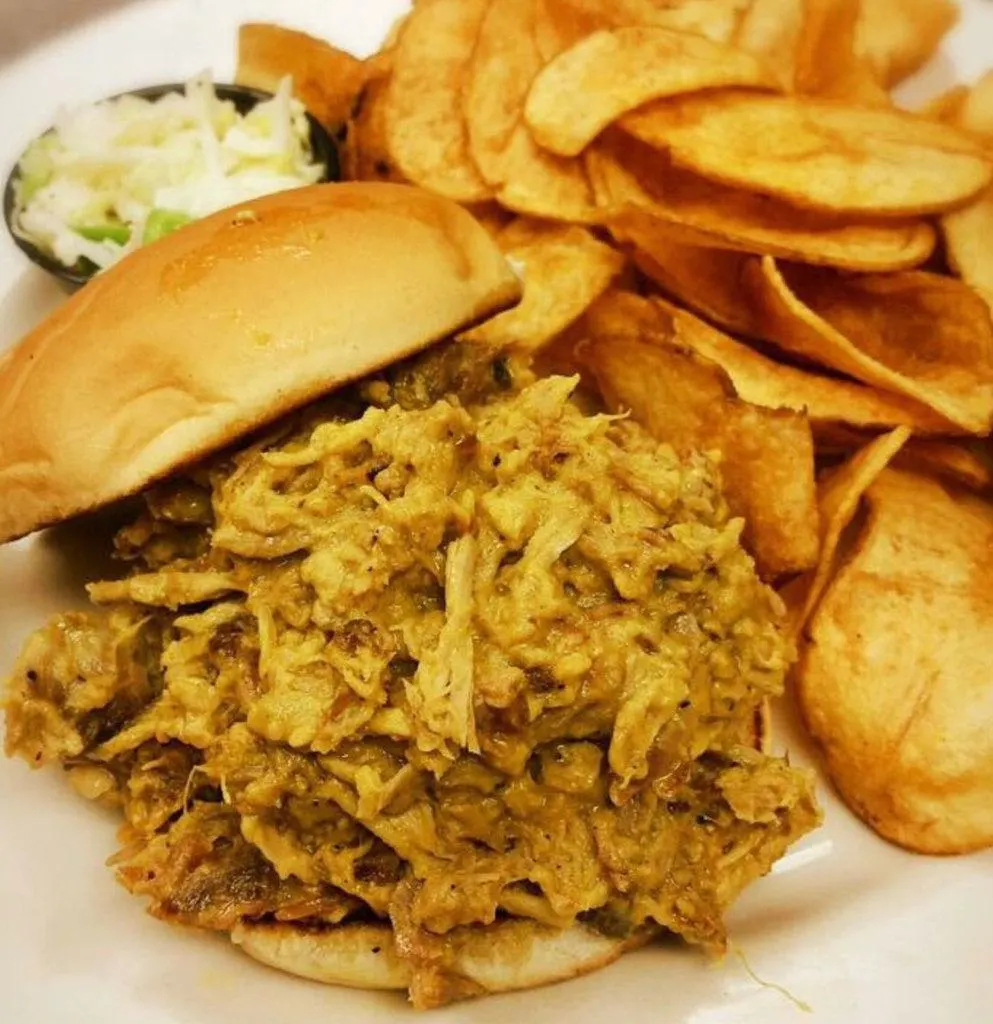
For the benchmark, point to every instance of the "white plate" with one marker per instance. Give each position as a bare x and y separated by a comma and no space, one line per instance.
859,931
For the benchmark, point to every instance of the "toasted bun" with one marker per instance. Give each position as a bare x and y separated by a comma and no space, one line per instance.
503,957
190,343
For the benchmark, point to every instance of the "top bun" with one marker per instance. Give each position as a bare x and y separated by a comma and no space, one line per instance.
188,344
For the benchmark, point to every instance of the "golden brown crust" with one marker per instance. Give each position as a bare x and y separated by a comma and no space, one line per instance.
192,342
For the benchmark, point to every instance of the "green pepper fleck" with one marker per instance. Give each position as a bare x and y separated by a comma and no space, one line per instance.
119,233
161,223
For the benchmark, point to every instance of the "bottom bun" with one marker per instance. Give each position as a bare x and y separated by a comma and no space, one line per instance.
354,955
503,957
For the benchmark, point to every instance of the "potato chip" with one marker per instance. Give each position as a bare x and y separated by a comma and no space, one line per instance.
813,43
897,37
967,462
609,73
817,154
560,24
541,184
946,106
527,179
393,32
560,357
626,314
827,401
492,216
967,232
767,467
424,125
921,335
502,67
976,112
770,29
826,63
926,325
947,460
767,455
526,230
716,20
565,270
894,683
678,204
367,154
325,79
707,281
839,492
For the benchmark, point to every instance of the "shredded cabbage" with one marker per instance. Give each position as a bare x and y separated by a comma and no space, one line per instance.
88,188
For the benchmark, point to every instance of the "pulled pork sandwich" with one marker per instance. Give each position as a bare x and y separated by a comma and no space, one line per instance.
419,677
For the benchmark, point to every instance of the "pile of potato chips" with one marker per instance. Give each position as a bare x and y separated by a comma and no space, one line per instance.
727,227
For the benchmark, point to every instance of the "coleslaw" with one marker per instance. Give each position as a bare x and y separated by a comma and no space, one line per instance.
117,174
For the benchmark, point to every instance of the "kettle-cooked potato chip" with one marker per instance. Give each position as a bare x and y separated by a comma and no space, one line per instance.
560,24
492,216
839,492
565,270
966,463
625,314
544,185
642,192
770,29
827,401
945,106
325,79
611,72
526,179
894,683
366,155
816,44
896,37
817,154
925,325
921,335
976,112
503,65
425,128
708,281
968,231
716,20
826,61
949,461
767,455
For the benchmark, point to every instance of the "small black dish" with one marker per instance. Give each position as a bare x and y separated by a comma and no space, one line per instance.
322,145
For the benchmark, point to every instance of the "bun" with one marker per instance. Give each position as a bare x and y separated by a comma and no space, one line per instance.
503,957
190,343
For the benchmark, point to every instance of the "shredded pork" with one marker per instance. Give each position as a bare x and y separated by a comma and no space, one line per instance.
432,659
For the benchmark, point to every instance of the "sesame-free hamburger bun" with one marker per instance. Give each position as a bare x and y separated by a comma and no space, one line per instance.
196,340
